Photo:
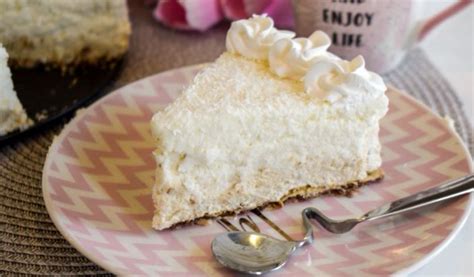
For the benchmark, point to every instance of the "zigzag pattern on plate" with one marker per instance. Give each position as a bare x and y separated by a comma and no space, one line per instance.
99,172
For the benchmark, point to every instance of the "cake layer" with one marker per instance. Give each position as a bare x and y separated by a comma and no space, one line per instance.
12,115
63,32
299,193
240,137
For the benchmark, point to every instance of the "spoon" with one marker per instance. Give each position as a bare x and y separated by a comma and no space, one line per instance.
257,253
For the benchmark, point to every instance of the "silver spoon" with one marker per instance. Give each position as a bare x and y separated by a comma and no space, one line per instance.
257,253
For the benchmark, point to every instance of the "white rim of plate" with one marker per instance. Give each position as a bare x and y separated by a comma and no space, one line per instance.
53,214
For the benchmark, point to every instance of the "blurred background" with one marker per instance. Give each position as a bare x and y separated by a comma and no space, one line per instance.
450,48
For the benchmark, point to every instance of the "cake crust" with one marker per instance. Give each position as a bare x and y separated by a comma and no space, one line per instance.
297,194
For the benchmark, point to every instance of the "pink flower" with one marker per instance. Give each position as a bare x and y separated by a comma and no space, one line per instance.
280,10
189,14
202,14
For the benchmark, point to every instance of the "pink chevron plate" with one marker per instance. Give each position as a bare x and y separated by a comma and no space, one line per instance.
98,176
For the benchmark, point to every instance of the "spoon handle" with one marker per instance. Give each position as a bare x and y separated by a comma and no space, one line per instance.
445,191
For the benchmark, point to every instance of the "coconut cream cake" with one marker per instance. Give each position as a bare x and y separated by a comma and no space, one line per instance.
57,33
274,117
63,32
12,115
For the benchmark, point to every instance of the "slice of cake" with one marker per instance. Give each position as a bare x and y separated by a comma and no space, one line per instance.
12,115
63,32
271,119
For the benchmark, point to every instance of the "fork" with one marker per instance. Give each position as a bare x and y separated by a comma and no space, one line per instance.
440,193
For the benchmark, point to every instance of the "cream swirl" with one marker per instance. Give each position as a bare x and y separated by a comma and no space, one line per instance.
331,80
292,58
253,37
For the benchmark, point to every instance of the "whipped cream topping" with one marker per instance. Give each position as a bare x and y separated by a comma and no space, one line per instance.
333,79
253,37
291,58
325,76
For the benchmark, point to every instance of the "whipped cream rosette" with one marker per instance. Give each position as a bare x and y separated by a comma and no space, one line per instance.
291,58
253,37
333,79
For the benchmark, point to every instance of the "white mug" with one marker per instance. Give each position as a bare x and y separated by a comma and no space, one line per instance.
380,30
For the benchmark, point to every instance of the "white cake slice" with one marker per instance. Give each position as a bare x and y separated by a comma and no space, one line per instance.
12,115
271,119
63,32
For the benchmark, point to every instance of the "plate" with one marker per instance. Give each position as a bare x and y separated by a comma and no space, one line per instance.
48,94
98,176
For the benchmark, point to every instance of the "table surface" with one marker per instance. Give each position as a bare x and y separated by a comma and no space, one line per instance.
450,48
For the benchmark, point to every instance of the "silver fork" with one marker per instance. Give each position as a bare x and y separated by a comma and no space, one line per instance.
446,191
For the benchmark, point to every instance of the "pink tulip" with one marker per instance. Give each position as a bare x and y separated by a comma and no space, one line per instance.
189,14
279,10
203,14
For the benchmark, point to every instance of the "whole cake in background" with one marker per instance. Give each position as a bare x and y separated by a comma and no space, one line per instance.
12,115
273,118
56,33
63,32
